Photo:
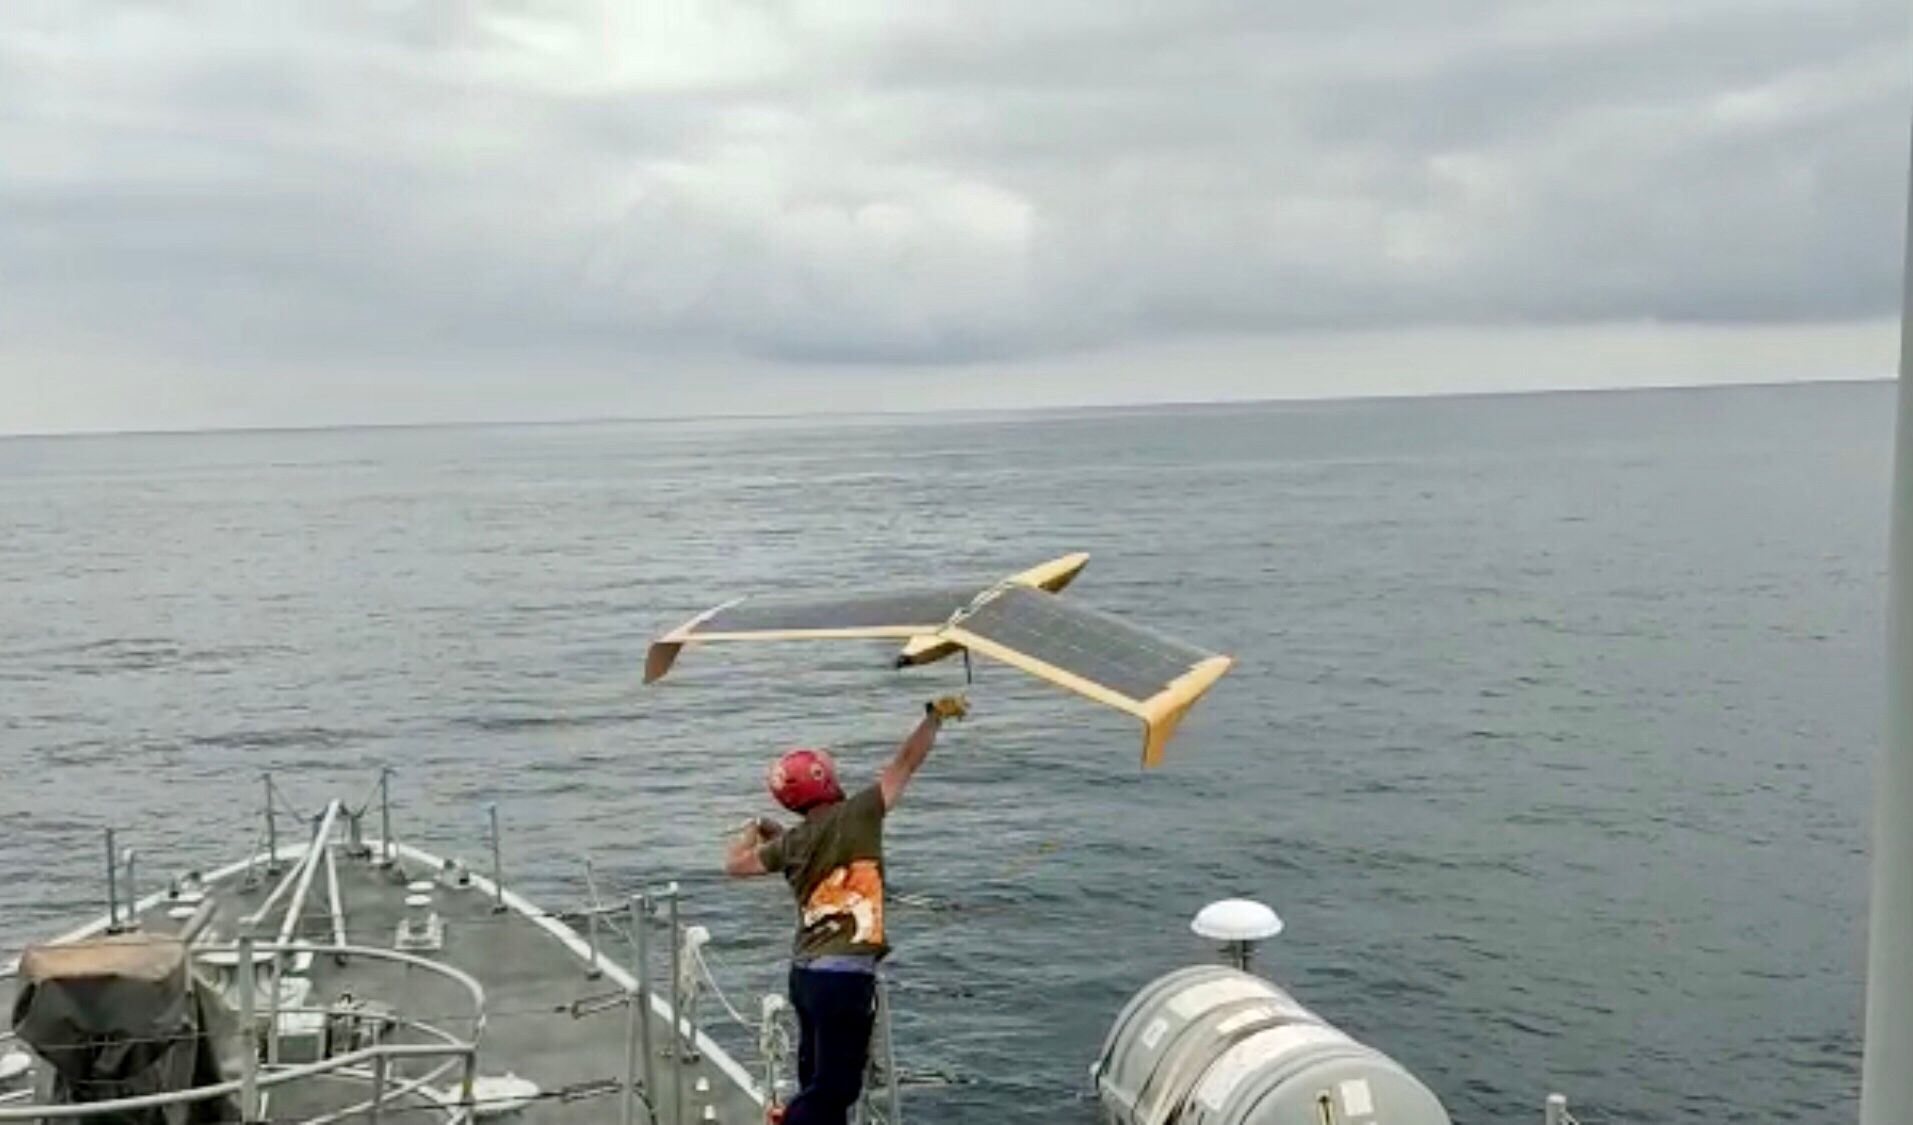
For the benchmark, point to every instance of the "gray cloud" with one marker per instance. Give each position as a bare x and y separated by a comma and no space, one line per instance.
836,183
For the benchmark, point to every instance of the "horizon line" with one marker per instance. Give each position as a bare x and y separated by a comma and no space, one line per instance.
929,412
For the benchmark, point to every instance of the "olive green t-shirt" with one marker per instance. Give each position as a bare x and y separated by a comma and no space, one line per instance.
833,862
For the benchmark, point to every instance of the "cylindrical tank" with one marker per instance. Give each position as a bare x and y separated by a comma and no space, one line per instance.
1210,1045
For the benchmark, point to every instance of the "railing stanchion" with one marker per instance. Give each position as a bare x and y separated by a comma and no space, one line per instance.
467,1087
641,938
132,890
377,1109
385,816
248,1033
272,828
498,863
112,885
677,1000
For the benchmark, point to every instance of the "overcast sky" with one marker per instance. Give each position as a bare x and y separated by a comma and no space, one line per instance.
284,213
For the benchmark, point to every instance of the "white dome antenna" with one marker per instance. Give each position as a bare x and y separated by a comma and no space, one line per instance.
1239,924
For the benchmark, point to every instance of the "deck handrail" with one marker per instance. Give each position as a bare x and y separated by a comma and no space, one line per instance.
222,1089
466,1049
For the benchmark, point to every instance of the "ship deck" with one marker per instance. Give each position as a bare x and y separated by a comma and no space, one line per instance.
552,1013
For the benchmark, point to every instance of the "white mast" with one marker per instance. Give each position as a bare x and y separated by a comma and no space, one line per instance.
1886,1089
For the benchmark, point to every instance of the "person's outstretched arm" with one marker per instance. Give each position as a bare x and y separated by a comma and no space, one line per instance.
896,776
745,856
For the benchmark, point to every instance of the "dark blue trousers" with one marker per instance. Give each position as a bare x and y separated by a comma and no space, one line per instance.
835,1012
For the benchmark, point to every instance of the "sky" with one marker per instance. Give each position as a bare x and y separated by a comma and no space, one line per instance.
341,211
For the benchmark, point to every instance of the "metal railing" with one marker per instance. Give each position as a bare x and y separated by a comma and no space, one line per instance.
290,901
253,1078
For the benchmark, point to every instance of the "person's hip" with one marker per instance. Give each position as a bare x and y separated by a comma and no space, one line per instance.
865,963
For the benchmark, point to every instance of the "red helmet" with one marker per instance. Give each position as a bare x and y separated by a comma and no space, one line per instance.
803,779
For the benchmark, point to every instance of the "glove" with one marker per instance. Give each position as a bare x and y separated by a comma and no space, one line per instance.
948,707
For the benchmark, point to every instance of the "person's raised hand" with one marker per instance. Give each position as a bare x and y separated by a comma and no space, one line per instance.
948,707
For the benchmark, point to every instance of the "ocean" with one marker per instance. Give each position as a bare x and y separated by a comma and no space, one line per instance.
1549,737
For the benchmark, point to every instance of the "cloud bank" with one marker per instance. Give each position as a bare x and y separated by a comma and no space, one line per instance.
236,212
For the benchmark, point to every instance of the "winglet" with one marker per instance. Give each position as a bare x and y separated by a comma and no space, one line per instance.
664,651
1164,713
659,658
924,650
1054,574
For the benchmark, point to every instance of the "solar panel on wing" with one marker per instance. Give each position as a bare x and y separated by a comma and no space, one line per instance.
925,609
1105,650
1019,621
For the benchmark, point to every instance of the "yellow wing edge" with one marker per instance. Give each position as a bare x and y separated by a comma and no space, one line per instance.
1161,713
664,651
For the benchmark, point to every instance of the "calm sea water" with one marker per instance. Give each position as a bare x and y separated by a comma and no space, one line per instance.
1550,735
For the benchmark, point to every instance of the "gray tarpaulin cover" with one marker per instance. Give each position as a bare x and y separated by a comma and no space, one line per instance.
121,1017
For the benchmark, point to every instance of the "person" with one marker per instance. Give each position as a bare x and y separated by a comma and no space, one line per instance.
833,860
